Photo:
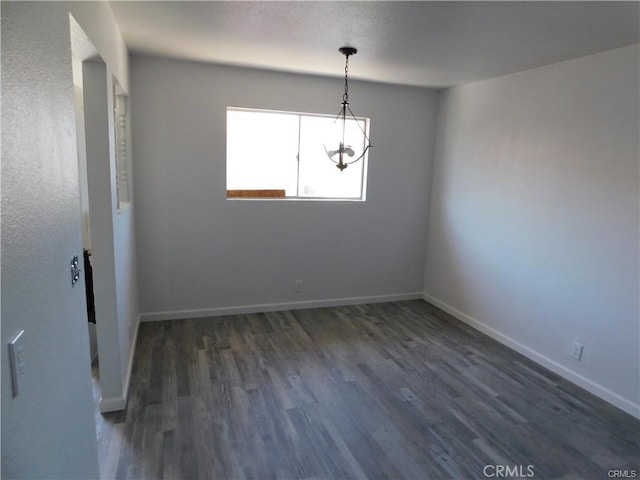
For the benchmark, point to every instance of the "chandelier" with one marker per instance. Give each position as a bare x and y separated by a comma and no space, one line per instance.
347,152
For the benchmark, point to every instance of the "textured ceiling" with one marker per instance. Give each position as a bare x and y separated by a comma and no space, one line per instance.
414,43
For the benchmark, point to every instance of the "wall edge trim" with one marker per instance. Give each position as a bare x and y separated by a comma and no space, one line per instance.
114,404
596,389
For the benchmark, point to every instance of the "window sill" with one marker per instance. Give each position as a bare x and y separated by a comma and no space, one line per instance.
255,194
271,195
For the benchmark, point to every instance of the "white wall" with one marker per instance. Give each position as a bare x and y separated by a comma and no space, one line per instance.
49,430
98,22
82,150
200,251
96,37
533,222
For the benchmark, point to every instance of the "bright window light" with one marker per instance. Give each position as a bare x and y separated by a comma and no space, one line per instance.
282,154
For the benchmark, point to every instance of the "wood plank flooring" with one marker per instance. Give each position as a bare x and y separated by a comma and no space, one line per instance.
395,390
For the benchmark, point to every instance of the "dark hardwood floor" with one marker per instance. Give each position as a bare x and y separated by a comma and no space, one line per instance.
395,390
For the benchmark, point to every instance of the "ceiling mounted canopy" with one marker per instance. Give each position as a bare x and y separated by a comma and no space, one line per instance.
351,142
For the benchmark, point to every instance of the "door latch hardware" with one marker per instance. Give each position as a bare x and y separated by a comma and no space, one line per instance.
75,271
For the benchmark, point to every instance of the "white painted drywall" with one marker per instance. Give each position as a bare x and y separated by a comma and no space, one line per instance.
49,430
126,290
82,151
198,250
102,191
98,22
96,36
533,222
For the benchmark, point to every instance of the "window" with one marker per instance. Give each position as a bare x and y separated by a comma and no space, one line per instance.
282,154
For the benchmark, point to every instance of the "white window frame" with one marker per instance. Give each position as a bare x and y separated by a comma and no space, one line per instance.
298,197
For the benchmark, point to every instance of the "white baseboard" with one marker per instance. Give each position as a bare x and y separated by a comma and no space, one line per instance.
112,404
115,404
583,382
274,307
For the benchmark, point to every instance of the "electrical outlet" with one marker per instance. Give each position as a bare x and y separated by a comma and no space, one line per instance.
297,286
576,350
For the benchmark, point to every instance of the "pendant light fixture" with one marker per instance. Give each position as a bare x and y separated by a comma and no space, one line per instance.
344,154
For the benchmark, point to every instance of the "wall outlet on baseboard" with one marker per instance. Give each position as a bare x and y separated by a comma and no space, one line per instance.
297,286
576,350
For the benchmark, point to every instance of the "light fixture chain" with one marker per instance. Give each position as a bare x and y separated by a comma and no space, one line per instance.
345,97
